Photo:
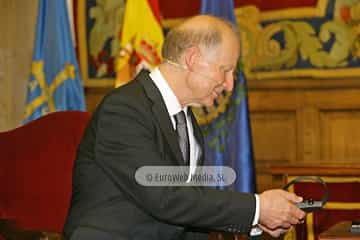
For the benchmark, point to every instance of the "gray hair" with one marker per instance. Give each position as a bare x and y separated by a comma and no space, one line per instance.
183,37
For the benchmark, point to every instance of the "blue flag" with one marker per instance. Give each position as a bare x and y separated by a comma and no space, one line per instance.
55,83
228,136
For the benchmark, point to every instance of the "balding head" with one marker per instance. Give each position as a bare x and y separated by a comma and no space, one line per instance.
200,57
203,31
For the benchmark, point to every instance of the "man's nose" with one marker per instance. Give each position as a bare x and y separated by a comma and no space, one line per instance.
229,84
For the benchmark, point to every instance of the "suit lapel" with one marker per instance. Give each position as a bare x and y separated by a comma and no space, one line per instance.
161,114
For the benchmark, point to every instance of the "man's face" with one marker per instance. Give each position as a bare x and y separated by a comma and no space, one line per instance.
213,72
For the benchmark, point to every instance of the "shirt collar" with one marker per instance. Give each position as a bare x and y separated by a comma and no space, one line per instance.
172,103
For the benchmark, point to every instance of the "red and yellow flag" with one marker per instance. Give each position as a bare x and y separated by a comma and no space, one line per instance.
140,41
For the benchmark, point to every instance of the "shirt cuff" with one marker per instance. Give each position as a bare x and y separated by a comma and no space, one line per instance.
256,231
257,211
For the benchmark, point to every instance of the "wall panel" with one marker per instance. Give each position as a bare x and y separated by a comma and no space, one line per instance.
300,122
274,133
340,134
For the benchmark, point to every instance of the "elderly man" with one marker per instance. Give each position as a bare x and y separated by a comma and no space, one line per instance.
148,123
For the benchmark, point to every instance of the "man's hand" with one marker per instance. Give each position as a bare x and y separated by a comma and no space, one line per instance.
278,210
274,232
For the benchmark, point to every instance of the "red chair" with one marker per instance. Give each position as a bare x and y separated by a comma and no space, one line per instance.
36,173
343,205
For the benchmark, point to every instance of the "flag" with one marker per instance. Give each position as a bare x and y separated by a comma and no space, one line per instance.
141,39
55,83
228,136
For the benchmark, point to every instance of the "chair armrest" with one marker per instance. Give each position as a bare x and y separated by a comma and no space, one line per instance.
10,231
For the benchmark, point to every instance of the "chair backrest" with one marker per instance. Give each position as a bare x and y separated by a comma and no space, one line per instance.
36,164
343,205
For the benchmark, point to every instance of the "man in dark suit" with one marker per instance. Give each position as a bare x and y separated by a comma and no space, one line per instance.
138,125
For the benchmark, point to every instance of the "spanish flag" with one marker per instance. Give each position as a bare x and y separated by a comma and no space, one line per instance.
140,41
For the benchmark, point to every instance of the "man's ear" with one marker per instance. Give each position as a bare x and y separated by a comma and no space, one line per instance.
191,55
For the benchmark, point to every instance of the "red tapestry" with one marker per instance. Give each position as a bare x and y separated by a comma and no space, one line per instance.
186,8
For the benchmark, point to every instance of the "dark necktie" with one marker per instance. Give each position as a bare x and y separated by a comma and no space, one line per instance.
183,137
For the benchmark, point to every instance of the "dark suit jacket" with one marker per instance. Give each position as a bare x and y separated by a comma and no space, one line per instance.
131,128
